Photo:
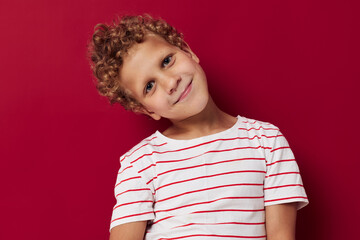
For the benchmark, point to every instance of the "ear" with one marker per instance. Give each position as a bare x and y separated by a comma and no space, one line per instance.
190,53
144,111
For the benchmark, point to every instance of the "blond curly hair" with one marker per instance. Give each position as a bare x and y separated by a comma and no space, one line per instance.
110,42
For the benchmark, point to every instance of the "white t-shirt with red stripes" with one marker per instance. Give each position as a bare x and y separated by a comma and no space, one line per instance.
212,187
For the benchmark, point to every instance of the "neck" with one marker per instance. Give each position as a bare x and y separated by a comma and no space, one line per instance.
209,121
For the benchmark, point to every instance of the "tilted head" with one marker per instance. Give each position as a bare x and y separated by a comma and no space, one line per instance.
110,43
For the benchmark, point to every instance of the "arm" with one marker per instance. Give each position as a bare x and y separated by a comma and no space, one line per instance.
129,231
281,221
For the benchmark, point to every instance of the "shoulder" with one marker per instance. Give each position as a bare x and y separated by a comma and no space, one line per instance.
266,133
141,158
142,154
256,126
141,148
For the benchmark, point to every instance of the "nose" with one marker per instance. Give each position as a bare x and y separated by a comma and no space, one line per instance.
171,83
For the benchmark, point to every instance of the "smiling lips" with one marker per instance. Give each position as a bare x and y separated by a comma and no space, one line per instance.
185,92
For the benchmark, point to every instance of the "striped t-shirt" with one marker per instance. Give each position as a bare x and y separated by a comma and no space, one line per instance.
210,187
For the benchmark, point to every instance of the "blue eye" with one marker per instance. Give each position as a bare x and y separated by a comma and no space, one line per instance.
166,61
149,86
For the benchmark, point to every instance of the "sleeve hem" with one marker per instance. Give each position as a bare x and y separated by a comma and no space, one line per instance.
134,219
302,202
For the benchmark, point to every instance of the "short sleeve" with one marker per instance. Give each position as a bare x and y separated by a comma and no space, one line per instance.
283,183
134,199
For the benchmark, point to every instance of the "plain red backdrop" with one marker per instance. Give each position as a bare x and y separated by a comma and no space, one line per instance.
292,63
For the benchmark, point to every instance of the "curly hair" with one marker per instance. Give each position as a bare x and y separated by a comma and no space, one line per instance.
110,42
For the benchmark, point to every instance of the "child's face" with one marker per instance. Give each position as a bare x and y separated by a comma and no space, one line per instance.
166,80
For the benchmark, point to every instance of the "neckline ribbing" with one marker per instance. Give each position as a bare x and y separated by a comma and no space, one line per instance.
199,139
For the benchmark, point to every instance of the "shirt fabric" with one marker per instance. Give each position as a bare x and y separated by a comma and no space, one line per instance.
212,187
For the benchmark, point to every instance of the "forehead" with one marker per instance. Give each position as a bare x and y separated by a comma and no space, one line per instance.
151,43
142,59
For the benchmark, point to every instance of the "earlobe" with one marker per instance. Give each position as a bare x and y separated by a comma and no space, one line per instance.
153,115
195,58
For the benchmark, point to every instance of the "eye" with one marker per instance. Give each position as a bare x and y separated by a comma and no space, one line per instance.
149,86
166,61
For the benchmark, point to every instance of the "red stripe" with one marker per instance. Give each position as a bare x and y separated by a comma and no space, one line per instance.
248,129
280,199
182,149
125,169
271,136
207,202
208,164
247,121
212,235
159,145
212,151
150,138
279,148
222,223
151,180
129,203
201,165
255,121
151,165
127,180
284,173
208,176
160,220
168,217
133,190
231,210
287,160
290,185
211,188
132,215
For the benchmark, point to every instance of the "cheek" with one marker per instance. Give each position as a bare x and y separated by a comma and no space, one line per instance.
190,67
157,103
186,65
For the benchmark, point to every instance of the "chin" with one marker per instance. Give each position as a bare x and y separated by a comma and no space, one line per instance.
199,105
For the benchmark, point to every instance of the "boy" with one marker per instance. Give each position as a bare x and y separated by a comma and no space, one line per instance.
208,176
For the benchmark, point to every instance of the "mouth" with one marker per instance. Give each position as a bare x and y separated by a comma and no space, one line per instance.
185,92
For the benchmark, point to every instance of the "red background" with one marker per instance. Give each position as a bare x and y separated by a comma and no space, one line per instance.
294,64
